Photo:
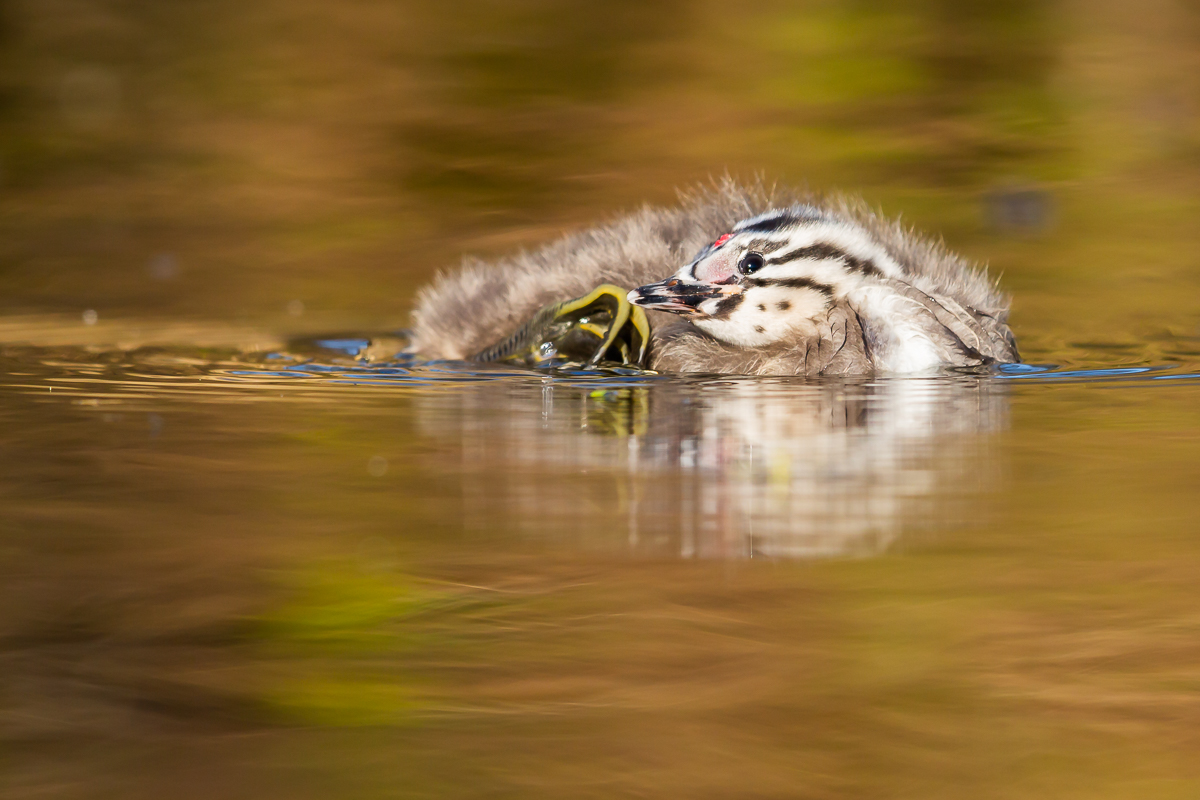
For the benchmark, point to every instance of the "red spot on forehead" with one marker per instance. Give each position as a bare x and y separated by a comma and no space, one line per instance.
722,240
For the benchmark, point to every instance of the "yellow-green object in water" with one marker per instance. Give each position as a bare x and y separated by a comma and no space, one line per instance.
602,327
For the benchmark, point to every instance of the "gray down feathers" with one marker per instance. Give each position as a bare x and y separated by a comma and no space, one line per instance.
463,312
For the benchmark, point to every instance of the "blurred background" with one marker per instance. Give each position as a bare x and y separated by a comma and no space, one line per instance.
289,163
238,564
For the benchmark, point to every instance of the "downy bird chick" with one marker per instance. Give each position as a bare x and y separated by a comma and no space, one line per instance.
780,284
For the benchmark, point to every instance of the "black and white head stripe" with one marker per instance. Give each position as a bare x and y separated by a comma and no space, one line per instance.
767,222
777,219
806,234
825,251
791,283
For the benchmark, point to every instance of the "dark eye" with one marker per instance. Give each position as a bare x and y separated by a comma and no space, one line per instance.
750,263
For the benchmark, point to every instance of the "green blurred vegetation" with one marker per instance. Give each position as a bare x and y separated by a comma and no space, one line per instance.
340,639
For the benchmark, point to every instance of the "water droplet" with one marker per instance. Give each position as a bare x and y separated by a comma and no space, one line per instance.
90,317
296,308
377,466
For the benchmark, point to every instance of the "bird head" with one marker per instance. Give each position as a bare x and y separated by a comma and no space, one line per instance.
770,275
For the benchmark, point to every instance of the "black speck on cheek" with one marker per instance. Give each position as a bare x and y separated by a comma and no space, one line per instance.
727,306
784,305
760,329
762,307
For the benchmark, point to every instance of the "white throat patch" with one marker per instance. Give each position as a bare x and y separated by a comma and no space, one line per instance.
766,314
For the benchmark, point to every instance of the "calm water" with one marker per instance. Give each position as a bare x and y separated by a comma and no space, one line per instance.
242,555
297,572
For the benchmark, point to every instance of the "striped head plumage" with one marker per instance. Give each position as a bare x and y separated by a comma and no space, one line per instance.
771,276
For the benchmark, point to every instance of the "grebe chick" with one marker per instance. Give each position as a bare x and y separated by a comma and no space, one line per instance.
781,284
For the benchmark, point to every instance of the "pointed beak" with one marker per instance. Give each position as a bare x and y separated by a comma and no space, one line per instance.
678,296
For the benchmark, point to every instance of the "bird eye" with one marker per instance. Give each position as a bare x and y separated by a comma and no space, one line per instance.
751,262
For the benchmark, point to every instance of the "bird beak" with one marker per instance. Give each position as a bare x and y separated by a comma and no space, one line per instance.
679,296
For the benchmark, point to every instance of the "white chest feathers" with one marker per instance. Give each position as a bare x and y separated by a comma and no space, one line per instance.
900,330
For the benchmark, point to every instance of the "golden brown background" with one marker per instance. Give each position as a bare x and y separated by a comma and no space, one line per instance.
223,579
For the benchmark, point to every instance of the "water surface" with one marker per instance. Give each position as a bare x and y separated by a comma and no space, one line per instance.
300,571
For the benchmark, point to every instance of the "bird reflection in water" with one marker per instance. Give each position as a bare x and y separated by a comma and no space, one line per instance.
723,468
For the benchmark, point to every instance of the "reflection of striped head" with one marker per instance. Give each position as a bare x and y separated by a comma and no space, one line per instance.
770,275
